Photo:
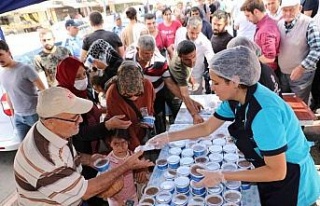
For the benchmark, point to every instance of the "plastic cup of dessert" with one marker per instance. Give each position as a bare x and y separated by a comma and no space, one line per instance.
146,200
102,164
173,161
243,164
219,141
183,171
180,199
233,196
151,191
182,184
186,161
162,164
196,201
170,174
188,152
229,166
167,186
201,160
213,166
217,190
164,197
196,190
180,143
194,174
213,200
233,185
230,148
231,157
206,142
215,149
218,158
199,150
175,151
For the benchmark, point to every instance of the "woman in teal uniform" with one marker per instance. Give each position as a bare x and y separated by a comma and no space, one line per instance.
264,128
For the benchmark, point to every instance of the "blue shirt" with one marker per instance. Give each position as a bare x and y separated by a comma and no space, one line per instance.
74,45
276,129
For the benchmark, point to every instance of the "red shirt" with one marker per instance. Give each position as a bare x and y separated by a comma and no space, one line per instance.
267,37
169,31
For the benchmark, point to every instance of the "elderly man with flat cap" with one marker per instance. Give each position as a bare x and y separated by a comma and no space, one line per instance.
264,128
47,168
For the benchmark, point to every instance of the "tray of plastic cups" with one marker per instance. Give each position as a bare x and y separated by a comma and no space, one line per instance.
218,158
164,197
188,152
180,143
183,171
167,186
182,184
194,174
213,166
151,191
175,151
197,190
186,161
231,158
227,166
233,185
213,200
196,201
199,150
229,148
170,174
146,200
201,160
162,164
219,141
215,149
232,196
173,161
217,190
179,200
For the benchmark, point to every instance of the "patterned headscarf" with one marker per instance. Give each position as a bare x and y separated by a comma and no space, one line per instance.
130,79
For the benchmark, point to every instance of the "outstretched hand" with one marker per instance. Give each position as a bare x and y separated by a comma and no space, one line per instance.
134,163
211,178
159,140
116,122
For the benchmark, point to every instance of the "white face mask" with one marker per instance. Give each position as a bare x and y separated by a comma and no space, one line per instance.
82,84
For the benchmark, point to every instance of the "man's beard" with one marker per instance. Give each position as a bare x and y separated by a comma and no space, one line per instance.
48,47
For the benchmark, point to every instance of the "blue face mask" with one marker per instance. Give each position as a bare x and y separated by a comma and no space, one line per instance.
81,84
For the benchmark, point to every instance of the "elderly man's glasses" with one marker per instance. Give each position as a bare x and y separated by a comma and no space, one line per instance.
66,120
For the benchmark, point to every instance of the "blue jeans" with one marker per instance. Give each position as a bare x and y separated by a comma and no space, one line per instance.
24,123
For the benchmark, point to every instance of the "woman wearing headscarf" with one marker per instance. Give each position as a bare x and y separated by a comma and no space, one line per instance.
131,90
264,128
71,74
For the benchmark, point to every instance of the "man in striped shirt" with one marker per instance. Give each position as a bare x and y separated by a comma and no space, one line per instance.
47,168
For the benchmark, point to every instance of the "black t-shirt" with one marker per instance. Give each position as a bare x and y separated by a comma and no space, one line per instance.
308,5
269,79
219,42
110,37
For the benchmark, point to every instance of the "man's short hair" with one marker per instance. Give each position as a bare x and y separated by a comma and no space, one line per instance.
4,46
219,14
250,5
185,47
194,22
45,31
149,16
95,18
146,42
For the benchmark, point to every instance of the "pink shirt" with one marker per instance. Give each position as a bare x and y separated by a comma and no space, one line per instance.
169,31
267,37
129,190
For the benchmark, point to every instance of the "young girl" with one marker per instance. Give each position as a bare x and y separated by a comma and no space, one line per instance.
120,152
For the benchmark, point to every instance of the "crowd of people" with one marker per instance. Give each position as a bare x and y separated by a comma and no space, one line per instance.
110,92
